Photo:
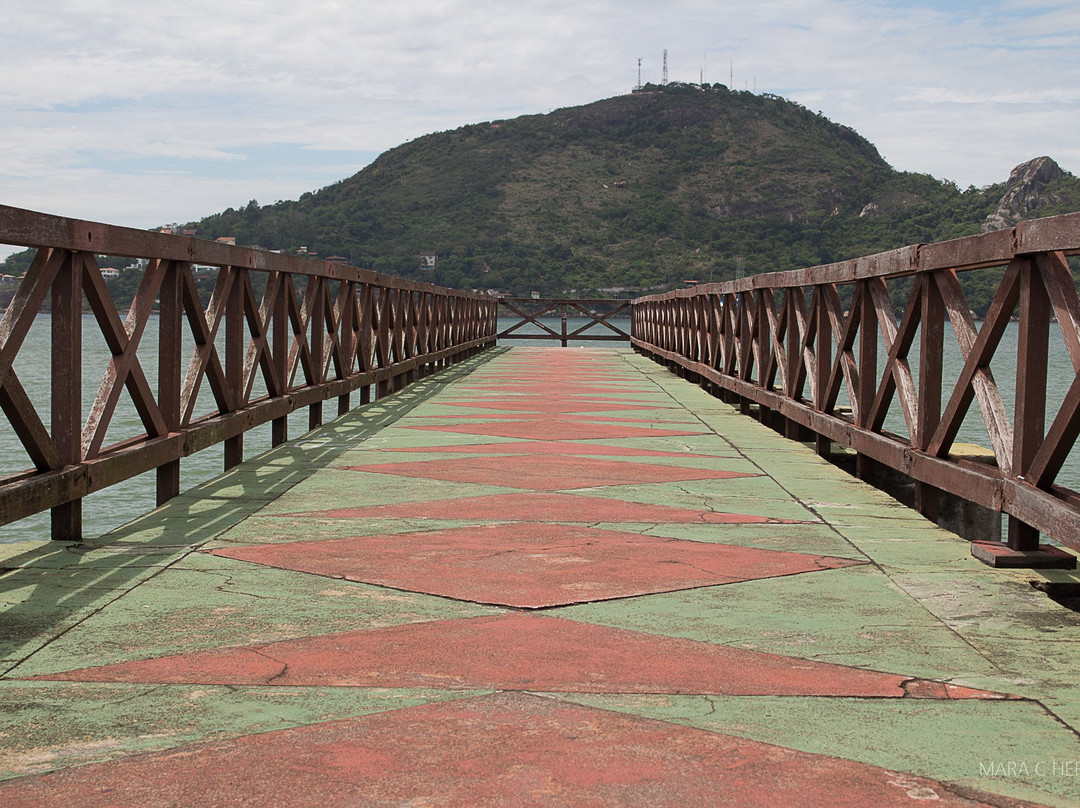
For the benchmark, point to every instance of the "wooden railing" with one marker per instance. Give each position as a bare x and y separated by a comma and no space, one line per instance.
533,311
316,331
788,343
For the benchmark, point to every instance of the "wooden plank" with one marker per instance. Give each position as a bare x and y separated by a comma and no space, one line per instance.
931,355
27,303
1059,440
124,369
976,378
868,353
731,334
383,348
299,351
365,337
275,298
844,367
775,359
235,350
257,356
66,426
1060,284
931,359
1052,234
205,362
798,334
170,370
14,326
1043,512
28,426
896,377
763,354
1029,413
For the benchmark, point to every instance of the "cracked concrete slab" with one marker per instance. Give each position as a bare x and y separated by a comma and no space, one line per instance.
875,666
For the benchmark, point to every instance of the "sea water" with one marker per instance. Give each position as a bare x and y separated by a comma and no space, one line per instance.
125,501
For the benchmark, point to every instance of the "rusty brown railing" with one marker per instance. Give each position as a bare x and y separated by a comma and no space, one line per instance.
785,342
532,311
318,331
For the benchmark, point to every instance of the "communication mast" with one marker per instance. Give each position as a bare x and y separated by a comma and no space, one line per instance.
638,87
663,79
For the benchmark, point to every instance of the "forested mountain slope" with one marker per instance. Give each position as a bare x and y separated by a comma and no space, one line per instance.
641,191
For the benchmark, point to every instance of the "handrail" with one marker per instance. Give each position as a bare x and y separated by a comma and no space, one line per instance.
760,339
319,330
598,311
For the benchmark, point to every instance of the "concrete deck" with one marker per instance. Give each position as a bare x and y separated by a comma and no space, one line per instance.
542,577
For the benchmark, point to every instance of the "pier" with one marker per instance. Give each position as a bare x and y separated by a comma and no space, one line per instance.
542,576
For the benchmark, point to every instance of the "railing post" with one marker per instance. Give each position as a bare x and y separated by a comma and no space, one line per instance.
793,356
316,331
865,467
279,427
823,367
931,354
1033,344
234,363
66,519
345,333
170,372
382,342
764,349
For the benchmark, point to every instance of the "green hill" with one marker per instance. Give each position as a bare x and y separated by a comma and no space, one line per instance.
641,191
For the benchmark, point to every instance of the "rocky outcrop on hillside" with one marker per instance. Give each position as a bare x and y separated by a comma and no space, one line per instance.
1025,192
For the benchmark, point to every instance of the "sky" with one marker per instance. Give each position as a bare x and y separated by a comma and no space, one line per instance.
142,114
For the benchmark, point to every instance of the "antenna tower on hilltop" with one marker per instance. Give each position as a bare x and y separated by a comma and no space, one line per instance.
663,78
638,74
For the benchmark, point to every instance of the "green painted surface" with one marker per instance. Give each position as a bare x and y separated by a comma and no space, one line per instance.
917,606
705,443
207,602
338,488
275,529
717,495
851,616
816,539
963,742
106,721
